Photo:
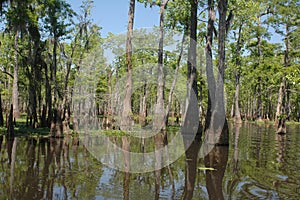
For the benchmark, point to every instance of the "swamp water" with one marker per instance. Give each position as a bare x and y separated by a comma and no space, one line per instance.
257,164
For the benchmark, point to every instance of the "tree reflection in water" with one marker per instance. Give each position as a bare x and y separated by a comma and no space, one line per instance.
217,159
48,168
191,168
126,180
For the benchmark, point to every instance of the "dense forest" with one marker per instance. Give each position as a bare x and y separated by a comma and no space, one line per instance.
232,69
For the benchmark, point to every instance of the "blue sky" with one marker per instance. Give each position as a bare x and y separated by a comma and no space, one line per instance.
112,15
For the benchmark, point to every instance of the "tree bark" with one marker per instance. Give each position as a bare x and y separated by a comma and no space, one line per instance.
56,128
287,64
48,96
216,125
282,110
222,8
15,94
209,62
237,116
126,120
192,108
175,79
10,133
143,104
1,112
280,118
258,115
159,123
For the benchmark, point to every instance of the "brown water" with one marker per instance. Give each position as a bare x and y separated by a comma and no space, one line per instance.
258,164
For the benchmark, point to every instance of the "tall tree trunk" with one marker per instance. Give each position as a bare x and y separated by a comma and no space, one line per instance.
192,108
287,64
209,61
288,102
143,104
298,112
48,95
282,107
56,127
259,101
126,120
53,72
158,122
217,128
175,79
222,8
66,101
1,112
258,115
15,94
279,118
237,116
107,120
10,133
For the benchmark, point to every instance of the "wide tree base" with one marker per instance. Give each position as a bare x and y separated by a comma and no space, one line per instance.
280,127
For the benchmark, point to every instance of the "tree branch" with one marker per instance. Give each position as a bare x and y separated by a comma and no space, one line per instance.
5,72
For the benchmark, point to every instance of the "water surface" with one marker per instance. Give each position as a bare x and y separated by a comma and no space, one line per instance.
258,164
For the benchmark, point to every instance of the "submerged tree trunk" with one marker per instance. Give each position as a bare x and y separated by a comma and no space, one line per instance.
126,120
15,93
159,123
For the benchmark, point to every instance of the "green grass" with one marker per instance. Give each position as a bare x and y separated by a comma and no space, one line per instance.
21,129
